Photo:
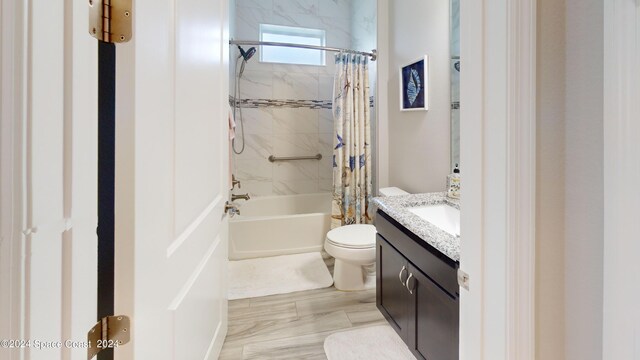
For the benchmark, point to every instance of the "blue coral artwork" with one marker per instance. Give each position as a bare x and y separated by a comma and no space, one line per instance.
414,85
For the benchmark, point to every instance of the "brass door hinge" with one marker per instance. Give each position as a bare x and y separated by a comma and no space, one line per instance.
110,20
110,332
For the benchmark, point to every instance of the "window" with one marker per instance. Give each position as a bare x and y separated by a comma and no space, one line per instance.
294,35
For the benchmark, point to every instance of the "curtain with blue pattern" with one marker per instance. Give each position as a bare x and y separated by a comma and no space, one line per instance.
352,172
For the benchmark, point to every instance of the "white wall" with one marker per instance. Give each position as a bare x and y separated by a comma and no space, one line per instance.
570,179
419,141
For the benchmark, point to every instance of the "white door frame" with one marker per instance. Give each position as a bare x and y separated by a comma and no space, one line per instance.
498,137
32,65
12,76
498,142
621,320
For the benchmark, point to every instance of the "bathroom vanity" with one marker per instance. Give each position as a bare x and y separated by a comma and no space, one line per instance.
417,263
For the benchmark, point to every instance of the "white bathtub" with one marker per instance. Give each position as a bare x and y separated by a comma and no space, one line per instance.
279,225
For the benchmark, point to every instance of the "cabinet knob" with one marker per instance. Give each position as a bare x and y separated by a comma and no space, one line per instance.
404,268
410,288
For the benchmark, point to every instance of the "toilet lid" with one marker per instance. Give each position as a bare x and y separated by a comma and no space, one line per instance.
357,236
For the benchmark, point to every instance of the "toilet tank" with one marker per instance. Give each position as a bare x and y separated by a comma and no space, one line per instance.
392,191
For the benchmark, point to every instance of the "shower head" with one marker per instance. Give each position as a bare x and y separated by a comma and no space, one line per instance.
246,55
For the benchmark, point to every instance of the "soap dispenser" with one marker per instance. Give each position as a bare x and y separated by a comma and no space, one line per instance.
453,180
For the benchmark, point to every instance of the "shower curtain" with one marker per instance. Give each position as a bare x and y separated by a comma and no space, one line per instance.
352,173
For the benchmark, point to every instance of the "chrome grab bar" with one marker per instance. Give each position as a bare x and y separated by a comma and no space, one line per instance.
290,158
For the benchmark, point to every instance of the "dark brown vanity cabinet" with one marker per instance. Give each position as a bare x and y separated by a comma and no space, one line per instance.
417,292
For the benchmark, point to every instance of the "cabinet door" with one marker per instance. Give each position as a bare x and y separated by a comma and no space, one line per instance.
392,298
434,314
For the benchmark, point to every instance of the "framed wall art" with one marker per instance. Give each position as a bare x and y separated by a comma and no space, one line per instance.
414,89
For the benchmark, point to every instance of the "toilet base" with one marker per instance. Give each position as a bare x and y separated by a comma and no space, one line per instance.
348,276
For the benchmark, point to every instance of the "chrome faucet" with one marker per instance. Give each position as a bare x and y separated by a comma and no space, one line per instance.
235,197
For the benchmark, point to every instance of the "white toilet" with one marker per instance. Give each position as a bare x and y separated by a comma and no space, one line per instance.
354,246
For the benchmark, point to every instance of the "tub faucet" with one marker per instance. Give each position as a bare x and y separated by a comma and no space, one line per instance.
235,197
231,209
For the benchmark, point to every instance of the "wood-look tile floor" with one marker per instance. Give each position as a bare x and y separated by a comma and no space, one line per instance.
294,326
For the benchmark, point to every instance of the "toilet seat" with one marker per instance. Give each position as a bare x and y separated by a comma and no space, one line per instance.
356,236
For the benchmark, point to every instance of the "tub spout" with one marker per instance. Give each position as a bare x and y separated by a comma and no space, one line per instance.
235,197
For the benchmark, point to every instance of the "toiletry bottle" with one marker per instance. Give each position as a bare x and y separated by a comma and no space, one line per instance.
454,184
449,180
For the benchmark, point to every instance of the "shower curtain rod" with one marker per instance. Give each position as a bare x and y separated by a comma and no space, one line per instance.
373,54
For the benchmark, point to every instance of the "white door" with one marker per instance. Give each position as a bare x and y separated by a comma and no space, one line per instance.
49,154
621,321
172,179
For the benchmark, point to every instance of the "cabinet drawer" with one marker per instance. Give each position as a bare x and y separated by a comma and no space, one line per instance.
437,266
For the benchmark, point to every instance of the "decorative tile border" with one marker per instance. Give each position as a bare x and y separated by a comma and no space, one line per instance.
287,103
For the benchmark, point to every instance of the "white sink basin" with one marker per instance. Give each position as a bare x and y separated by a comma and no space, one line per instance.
443,216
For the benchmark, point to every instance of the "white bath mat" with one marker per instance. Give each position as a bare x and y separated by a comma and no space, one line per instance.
277,275
369,343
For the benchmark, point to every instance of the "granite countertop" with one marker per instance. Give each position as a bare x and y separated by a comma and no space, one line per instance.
397,208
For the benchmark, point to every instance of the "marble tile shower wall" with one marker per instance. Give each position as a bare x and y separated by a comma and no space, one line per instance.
364,36
288,130
455,82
